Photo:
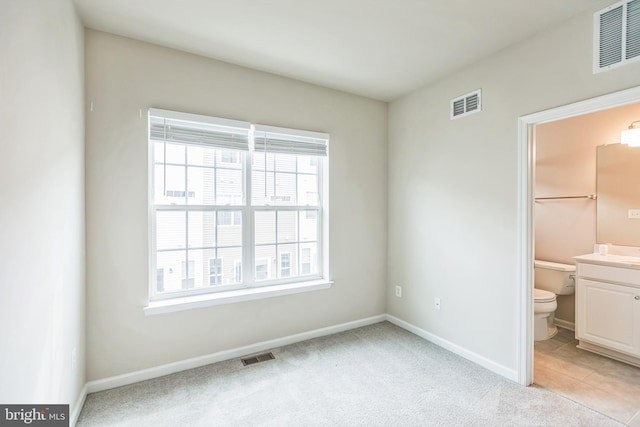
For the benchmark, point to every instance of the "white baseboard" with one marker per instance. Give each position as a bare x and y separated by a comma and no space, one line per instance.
454,348
77,408
565,324
196,362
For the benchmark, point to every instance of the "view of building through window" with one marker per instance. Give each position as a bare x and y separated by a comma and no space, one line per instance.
210,202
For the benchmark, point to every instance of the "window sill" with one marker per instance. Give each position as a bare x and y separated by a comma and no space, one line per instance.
229,297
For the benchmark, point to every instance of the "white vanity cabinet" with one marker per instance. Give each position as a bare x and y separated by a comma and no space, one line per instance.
608,306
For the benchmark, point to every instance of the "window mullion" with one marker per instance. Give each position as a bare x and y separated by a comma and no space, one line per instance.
186,215
248,221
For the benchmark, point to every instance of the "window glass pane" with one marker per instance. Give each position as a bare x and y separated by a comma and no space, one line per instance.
230,158
175,153
229,228
308,164
231,259
286,162
200,156
169,185
160,279
308,258
265,227
287,226
215,271
287,261
237,272
308,225
229,185
262,192
171,263
199,180
170,230
200,230
260,159
285,190
158,152
265,263
308,190
198,268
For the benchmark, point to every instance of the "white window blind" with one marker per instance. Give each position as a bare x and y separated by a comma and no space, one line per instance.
192,129
290,141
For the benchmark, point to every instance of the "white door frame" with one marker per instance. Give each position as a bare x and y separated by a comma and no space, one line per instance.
526,180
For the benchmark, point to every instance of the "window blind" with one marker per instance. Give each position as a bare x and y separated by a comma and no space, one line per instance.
290,141
192,129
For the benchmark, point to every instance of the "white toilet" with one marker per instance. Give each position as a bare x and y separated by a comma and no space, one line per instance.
550,279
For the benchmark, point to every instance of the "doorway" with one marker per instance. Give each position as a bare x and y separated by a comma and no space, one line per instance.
526,180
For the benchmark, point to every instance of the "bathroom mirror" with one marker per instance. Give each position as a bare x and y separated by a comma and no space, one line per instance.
618,187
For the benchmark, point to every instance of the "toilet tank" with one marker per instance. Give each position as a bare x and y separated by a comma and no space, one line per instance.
555,277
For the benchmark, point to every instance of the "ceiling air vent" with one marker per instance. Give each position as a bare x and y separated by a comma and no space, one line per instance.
466,104
616,35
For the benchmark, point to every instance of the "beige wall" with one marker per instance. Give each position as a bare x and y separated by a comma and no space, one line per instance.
41,203
125,77
566,166
453,186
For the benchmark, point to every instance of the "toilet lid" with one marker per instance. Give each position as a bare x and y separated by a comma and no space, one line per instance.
540,295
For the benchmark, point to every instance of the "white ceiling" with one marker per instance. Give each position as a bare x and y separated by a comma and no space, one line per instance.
381,49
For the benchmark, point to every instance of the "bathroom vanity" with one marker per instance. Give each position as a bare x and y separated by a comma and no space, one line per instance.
608,306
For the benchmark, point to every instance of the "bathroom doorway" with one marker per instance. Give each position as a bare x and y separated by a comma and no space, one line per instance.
558,355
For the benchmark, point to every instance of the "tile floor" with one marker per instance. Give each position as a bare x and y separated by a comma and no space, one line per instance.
605,385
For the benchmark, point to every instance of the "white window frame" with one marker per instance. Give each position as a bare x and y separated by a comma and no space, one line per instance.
251,288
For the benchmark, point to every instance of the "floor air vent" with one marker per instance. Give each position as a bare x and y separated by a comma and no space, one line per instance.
257,359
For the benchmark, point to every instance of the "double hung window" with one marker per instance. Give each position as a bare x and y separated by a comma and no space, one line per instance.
233,205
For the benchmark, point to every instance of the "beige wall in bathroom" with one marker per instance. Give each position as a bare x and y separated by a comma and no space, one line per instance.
566,166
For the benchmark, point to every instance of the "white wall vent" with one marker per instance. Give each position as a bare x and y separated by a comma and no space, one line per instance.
467,104
616,35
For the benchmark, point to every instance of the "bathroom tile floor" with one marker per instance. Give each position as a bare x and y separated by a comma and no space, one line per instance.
605,385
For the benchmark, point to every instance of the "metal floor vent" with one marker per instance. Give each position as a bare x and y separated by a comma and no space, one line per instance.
257,359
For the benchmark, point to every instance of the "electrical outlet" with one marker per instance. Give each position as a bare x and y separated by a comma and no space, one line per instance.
634,214
436,303
399,291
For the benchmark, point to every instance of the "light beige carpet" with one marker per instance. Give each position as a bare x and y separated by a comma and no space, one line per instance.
379,375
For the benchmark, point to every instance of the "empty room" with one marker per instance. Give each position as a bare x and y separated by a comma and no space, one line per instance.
340,212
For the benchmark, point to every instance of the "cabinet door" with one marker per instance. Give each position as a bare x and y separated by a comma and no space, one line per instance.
608,315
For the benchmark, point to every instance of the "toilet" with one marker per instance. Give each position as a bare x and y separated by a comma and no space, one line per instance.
550,279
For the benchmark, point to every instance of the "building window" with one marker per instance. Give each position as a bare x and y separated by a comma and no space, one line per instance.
160,279
240,195
262,269
285,264
188,274
305,261
215,271
230,157
237,271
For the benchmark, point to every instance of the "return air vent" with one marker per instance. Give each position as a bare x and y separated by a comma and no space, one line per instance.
466,104
616,35
257,359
